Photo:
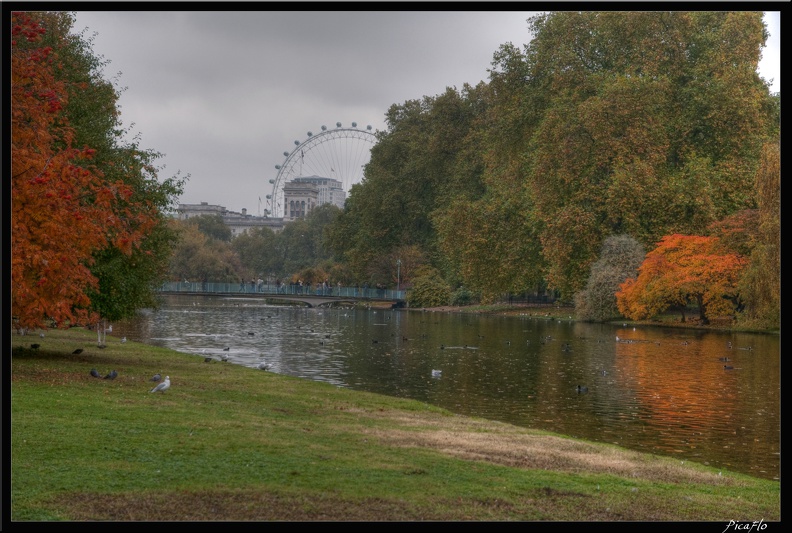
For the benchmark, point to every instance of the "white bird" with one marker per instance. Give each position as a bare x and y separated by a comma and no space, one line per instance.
437,373
224,357
123,340
162,387
263,365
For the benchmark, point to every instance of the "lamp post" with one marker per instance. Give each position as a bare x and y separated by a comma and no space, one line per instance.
398,275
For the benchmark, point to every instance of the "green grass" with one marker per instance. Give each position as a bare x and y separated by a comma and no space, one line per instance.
233,443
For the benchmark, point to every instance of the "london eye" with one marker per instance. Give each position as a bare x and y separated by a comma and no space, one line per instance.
339,154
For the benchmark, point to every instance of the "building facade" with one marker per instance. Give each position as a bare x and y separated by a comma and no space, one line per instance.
238,222
299,199
329,190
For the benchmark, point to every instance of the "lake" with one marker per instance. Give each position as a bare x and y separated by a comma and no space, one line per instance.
704,396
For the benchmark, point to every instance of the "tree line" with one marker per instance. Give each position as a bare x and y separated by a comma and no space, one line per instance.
649,125
625,161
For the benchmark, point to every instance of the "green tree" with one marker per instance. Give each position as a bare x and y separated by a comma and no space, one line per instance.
256,251
429,289
424,160
212,226
198,257
760,287
618,261
644,123
492,245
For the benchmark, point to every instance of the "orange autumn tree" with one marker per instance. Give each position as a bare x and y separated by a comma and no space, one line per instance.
62,210
682,269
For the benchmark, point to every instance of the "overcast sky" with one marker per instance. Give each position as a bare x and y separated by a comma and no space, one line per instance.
224,94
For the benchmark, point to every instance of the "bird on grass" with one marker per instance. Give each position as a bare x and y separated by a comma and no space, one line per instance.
35,346
123,340
224,357
582,389
78,351
727,367
111,375
156,377
263,366
95,373
162,387
208,359
437,373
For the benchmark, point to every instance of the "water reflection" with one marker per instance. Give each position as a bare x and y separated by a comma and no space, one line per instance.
659,390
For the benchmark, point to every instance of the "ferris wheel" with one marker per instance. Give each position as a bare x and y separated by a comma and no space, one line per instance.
339,153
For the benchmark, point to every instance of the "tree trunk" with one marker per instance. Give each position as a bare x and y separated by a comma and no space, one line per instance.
702,309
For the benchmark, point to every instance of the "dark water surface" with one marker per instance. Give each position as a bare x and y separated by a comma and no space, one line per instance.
657,390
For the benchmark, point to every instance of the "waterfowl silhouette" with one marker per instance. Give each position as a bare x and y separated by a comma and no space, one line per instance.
78,351
727,367
581,389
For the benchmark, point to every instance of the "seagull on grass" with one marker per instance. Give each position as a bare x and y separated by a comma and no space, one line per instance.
162,387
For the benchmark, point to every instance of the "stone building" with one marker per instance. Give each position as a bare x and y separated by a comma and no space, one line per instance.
238,222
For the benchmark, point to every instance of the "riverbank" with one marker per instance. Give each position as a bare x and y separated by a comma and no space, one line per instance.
561,312
228,442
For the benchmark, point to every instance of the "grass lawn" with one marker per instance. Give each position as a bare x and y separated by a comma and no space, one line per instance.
229,443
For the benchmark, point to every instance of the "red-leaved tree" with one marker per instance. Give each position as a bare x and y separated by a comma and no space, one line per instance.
62,210
681,269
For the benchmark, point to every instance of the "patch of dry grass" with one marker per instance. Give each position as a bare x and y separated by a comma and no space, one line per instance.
503,444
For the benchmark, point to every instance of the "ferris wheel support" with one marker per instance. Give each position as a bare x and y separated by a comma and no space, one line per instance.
340,154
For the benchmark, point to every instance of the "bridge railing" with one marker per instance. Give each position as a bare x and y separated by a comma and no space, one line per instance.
285,290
